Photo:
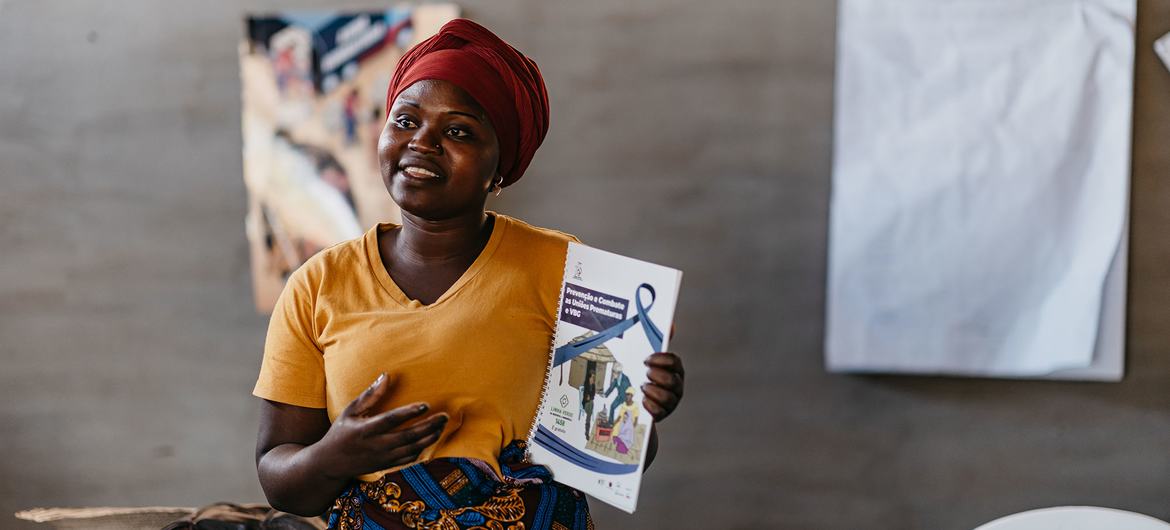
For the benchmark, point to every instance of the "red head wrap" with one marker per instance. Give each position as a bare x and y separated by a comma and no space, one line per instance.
503,81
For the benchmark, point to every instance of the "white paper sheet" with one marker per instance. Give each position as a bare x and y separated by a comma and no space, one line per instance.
980,187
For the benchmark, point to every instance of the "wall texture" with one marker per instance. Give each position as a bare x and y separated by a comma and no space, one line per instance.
694,133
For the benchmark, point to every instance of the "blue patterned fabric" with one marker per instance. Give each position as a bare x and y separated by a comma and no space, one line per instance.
455,493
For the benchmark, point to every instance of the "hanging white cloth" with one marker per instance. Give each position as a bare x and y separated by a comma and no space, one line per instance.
980,187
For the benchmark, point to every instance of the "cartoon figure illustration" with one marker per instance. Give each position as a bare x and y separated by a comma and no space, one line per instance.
624,423
618,382
587,394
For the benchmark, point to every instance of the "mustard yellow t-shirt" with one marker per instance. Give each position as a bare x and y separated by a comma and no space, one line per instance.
478,353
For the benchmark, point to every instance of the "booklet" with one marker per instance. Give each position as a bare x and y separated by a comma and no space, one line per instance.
591,430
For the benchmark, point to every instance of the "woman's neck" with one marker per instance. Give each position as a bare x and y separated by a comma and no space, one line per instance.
422,241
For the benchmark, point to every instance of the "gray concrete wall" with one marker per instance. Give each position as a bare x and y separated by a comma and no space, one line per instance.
129,344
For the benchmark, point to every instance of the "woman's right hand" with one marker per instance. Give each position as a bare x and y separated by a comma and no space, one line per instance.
304,461
361,442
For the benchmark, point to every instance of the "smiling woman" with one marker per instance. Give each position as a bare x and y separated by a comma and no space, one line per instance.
450,314
439,151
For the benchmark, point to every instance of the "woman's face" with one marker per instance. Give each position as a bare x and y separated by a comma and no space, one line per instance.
438,151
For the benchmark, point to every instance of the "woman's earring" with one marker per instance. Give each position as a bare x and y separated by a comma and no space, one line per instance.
499,186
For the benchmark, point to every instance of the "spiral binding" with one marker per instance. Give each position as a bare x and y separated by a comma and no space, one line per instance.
531,438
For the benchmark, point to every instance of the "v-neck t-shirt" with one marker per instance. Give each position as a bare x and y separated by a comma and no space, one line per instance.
479,352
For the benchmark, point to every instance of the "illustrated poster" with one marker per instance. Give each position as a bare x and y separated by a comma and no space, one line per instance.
314,88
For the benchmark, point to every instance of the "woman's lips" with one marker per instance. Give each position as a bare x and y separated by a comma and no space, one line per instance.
419,173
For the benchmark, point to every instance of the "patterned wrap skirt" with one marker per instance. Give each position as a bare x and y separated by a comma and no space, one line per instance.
461,493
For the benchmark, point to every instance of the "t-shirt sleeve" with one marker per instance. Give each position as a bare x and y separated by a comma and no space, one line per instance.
293,369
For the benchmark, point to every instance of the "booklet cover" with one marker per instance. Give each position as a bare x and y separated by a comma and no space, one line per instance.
592,430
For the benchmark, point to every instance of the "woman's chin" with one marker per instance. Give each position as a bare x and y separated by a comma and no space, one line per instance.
413,200
431,203
422,206
416,208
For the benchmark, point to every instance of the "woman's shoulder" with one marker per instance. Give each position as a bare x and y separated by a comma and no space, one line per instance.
339,259
535,235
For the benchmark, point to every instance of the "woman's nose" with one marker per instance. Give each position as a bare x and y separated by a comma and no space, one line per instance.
425,141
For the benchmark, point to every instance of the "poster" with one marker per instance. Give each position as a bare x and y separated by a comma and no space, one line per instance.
313,93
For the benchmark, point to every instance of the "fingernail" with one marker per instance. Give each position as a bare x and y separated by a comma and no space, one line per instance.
422,408
381,376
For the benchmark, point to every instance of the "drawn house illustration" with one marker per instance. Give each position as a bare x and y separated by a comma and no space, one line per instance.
600,362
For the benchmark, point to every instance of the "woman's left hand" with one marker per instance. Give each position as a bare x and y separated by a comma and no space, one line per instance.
665,388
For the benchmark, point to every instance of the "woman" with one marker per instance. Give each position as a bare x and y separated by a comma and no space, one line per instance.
455,309
624,423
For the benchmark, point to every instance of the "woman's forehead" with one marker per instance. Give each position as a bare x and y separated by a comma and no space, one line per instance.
439,95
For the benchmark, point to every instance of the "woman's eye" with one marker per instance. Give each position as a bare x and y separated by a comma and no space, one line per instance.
403,122
458,133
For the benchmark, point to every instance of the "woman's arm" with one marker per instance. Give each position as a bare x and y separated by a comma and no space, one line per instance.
289,472
304,462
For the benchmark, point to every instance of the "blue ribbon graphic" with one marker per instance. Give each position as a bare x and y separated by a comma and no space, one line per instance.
545,438
574,348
